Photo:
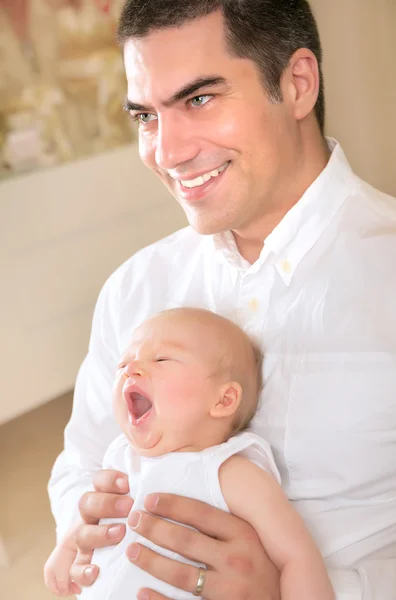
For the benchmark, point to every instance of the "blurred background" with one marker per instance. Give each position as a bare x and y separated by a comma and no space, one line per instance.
75,202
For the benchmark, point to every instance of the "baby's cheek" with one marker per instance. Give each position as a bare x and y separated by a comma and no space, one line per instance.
173,408
120,411
186,406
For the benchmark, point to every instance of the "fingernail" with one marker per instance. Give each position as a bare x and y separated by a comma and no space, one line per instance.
143,595
114,531
90,572
134,519
133,551
122,484
123,505
151,502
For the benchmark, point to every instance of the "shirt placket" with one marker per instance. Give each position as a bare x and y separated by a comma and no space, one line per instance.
254,299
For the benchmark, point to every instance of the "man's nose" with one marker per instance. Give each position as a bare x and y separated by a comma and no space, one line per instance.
176,143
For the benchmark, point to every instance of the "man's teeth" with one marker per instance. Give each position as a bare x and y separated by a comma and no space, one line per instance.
204,178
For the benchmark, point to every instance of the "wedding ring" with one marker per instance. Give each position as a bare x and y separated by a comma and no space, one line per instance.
200,582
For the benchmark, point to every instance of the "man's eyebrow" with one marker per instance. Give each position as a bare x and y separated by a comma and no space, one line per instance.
189,89
193,87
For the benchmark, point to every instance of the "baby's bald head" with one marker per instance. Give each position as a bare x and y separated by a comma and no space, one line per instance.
233,355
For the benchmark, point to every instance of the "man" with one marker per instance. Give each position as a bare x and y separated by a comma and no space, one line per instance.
286,240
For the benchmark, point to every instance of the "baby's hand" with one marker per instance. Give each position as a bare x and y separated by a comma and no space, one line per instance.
57,568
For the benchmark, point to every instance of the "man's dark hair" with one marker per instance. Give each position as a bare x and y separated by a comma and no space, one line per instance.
267,32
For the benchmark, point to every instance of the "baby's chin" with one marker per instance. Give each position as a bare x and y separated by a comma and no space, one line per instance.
145,443
154,443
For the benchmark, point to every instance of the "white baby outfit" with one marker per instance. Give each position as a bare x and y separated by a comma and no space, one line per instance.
191,474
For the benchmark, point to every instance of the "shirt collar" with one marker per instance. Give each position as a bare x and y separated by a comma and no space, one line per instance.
303,224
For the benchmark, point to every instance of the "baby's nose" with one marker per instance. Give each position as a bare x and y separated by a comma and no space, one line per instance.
134,369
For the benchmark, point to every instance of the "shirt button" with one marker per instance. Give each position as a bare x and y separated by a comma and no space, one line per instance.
286,266
253,304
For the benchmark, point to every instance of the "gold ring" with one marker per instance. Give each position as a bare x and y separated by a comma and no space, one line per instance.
200,582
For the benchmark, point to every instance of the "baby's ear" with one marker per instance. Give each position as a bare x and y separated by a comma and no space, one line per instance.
228,400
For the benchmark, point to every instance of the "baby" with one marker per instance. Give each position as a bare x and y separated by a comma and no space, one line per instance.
185,391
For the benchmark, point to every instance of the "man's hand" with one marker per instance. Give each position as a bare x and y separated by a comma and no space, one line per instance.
237,564
107,501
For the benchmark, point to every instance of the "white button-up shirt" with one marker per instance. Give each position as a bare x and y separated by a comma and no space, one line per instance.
321,299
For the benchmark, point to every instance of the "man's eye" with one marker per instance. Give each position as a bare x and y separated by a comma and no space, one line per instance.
200,100
144,118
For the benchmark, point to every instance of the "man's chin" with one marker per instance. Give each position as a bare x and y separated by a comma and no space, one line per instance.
206,226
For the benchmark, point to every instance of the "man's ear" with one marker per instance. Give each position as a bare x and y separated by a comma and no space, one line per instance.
301,83
228,402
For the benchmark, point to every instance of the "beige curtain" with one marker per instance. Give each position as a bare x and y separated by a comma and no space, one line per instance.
359,43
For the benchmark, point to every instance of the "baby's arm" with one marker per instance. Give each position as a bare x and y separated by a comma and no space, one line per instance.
57,568
255,496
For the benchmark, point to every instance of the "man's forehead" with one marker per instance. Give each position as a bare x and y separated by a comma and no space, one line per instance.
190,50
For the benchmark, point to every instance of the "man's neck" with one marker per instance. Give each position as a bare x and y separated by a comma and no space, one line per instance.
250,241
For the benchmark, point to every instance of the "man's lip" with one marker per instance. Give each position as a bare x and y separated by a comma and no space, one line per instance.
199,193
191,177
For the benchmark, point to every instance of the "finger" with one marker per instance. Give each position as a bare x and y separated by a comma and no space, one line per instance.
207,519
90,537
99,505
82,572
59,585
57,572
75,588
111,482
170,571
63,590
178,538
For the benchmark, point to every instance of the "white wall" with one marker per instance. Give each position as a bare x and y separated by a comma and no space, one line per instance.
62,232
359,43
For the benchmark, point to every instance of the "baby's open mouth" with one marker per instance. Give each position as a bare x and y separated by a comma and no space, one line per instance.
139,406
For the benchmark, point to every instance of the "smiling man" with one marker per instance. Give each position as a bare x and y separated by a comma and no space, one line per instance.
285,239
226,150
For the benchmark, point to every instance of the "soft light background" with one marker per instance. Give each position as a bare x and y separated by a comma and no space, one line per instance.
63,231
61,83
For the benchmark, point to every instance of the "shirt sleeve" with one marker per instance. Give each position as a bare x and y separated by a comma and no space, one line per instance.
346,584
371,580
92,426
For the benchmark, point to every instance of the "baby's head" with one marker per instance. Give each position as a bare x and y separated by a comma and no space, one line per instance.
189,379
